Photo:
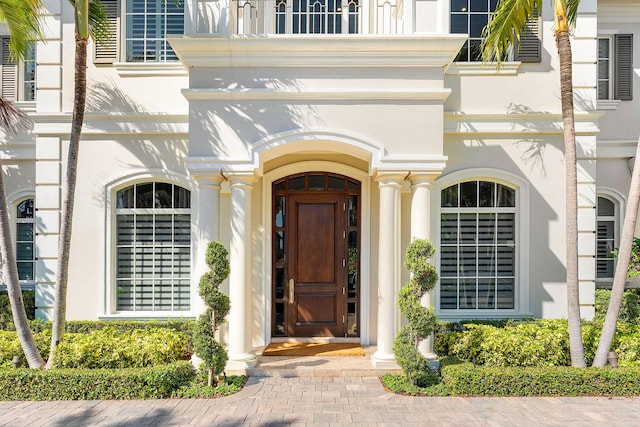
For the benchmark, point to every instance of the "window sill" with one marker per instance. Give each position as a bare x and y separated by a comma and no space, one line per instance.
483,69
150,315
150,69
607,104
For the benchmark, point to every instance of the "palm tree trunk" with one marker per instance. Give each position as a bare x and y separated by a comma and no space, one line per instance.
13,285
620,276
62,274
566,91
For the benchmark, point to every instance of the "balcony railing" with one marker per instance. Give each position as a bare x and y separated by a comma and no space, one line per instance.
316,16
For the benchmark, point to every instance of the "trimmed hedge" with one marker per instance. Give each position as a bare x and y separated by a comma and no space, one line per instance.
86,326
465,379
6,319
93,384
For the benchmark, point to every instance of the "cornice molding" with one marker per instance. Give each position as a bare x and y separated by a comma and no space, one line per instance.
483,69
517,124
101,124
438,94
415,50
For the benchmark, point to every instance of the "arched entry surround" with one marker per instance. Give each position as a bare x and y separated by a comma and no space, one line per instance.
267,192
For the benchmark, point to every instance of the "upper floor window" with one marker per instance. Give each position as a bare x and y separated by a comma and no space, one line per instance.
478,246
147,24
615,67
606,238
25,253
317,16
153,247
472,16
17,79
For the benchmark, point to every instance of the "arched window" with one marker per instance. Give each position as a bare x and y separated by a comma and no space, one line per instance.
607,237
25,234
478,245
153,247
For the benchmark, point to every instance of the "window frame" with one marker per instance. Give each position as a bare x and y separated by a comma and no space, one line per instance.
610,68
521,291
620,82
109,306
114,50
31,221
18,81
619,207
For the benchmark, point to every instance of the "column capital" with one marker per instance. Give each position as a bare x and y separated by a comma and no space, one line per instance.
208,180
391,178
241,179
422,179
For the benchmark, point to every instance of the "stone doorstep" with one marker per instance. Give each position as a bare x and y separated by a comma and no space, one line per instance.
314,366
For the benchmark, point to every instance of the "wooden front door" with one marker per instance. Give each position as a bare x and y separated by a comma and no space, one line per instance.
316,260
315,270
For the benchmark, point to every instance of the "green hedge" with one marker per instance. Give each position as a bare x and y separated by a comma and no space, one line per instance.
104,348
93,384
6,320
464,379
533,343
86,326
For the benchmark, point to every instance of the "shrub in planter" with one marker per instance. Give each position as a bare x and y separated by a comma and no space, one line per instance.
421,321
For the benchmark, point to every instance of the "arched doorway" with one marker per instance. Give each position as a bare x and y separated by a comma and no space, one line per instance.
316,256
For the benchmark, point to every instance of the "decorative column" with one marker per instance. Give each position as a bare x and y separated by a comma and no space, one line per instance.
421,185
240,319
206,226
389,265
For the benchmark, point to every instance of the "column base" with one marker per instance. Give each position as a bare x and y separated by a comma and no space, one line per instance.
241,362
381,360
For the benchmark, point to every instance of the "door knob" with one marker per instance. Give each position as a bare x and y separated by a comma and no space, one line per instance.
292,291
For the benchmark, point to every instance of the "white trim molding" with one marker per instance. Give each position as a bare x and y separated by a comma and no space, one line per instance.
397,51
108,305
365,232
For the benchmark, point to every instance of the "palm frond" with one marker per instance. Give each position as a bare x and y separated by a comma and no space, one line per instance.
505,27
23,21
12,120
98,21
572,12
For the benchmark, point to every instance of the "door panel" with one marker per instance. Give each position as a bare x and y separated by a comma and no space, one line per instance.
315,265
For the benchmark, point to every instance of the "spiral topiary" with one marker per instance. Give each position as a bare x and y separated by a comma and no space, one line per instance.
421,322
214,356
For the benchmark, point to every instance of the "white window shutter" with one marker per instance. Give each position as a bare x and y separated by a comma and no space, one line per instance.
9,72
528,48
106,52
623,63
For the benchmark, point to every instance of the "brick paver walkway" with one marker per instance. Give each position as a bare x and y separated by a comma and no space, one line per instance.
322,401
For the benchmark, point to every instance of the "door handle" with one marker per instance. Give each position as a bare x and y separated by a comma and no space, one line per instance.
292,291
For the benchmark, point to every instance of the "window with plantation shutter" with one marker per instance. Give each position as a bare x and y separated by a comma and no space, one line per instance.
478,246
153,248
25,240
607,211
623,77
615,67
528,48
106,51
9,72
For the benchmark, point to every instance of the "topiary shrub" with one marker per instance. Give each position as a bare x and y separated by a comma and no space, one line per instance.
213,355
421,322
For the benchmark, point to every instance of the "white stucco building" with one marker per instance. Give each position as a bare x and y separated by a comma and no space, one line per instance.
315,139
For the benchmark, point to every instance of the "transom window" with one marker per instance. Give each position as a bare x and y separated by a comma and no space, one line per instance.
25,253
478,246
148,23
606,238
153,247
470,17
